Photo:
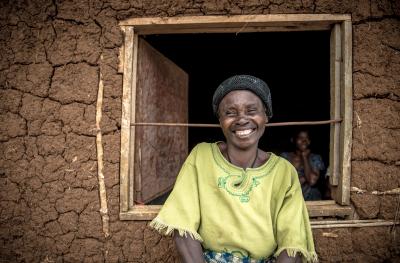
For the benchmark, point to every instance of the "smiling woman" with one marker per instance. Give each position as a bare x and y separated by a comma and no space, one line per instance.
242,118
233,202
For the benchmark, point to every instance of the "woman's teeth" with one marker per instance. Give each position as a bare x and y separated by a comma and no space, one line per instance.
244,132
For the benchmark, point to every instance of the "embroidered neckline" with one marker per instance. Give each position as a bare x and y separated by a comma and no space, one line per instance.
225,165
238,181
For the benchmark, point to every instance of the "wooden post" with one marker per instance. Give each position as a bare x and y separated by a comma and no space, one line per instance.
346,105
132,144
100,165
126,119
335,61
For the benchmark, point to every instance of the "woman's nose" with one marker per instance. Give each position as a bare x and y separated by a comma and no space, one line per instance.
242,119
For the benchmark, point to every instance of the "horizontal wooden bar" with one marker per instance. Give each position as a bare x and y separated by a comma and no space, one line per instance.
183,20
141,212
203,125
148,212
328,210
341,221
234,24
360,223
289,27
321,202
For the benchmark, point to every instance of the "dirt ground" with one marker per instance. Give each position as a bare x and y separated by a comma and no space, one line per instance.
51,53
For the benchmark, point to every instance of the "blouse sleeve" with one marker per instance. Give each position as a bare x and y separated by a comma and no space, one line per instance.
181,210
293,230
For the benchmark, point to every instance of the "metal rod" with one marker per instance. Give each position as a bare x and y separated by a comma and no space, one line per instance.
204,125
175,124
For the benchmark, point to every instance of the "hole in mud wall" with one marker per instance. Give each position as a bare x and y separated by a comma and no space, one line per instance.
295,65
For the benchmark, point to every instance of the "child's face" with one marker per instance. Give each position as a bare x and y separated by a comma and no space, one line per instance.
302,140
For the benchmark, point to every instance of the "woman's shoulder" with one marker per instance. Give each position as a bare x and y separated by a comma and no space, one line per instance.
284,175
201,149
277,164
285,169
284,162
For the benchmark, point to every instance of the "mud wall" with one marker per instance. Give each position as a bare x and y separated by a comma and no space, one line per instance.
51,53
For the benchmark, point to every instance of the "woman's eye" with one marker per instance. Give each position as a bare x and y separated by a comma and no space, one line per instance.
230,113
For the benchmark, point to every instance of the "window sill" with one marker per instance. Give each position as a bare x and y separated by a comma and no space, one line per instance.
326,208
141,212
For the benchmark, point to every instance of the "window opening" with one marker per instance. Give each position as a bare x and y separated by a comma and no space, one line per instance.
295,65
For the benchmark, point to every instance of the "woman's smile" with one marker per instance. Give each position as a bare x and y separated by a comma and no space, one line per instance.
244,133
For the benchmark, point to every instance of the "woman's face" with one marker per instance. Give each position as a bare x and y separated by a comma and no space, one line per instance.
242,118
302,141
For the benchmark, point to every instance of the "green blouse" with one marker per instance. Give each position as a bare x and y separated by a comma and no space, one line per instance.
253,212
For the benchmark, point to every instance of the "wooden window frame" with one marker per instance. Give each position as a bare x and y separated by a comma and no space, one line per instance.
341,94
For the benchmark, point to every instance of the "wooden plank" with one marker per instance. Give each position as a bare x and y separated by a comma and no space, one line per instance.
359,224
141,212
162,96
330,210
351,221
243,28
346,103
233,21
235,24
335,63
321,202
133,119
126,119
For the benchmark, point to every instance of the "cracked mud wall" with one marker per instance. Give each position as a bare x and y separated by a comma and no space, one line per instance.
49,66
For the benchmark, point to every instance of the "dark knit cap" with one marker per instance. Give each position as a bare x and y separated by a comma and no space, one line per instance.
243,82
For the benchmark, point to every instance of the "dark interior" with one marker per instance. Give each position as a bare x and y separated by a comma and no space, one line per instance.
295,65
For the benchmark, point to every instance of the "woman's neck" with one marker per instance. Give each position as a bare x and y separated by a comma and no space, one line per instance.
243,158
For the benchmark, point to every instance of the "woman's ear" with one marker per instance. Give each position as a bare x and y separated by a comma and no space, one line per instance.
266,115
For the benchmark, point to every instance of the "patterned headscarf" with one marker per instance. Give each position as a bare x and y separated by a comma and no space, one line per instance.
243,82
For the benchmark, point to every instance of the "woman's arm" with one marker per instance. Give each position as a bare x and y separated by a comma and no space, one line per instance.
311,174
189,249
284,258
